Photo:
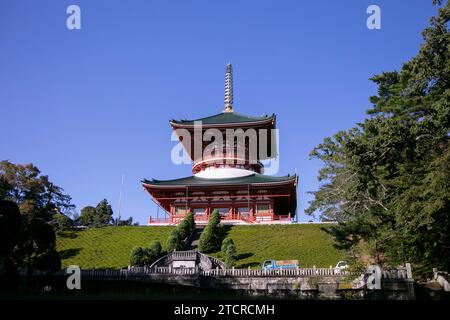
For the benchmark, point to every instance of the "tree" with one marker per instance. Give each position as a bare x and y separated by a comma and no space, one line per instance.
153,252
229,252
225,243
191,219
174,241
127,222
155,247
184,229
10,223
34,193
386,181
48,260
103,214
230,255
137,256
87,215
61,222
24,242
209,239
36,248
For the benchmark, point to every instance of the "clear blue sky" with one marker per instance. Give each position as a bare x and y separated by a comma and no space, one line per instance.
89,105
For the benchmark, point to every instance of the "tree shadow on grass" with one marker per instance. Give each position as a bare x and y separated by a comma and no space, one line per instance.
224,232
68,234
242,256
250,264
69,253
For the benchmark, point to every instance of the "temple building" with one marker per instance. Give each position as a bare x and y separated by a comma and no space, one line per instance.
227,150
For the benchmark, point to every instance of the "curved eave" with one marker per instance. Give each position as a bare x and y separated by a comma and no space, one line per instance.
269,121
160,184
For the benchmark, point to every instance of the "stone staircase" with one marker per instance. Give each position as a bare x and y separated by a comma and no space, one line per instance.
195,237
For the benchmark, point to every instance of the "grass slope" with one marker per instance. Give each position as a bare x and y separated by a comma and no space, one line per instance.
110,247
306,242
107,247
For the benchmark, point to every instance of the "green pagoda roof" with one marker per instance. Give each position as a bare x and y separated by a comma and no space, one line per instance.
225,118
198,181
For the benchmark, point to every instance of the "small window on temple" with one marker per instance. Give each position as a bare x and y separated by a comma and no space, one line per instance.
262,208
243,210
199,211
223,212
180,210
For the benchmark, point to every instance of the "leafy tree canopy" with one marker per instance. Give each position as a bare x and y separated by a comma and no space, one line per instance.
387,180
34,193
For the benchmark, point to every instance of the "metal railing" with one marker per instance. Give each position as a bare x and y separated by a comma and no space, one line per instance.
142,272
94,273
158,220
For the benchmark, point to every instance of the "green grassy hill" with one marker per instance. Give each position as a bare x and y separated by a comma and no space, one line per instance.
107,247
110,247
306,242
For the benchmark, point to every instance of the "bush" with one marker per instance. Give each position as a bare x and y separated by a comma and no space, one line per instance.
155,247
190,218
225,243
174,241
137,256
230,255
215,218
209,238
152,253
206,241
184,229
48,260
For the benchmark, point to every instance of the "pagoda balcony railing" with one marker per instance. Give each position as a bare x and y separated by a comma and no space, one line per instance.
271,217
158,220
201,217
230,154
244,216
226,162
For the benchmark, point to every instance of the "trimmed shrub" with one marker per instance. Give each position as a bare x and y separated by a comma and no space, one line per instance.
184,229
155,247
215,218
152,253
190,218
225,243
206,241
230,255
174,241
209,238
137,256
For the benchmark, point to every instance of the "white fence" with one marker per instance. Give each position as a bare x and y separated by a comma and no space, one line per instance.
300,272
133,272
400,273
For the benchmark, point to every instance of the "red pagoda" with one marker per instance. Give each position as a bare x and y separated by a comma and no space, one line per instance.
227,171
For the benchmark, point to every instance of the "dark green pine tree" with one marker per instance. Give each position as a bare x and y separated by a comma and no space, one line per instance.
103,214
387,180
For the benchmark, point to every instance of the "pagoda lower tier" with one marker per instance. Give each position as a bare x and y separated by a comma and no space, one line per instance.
255,198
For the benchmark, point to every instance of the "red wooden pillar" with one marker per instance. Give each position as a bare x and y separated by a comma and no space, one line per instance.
171,214
271,209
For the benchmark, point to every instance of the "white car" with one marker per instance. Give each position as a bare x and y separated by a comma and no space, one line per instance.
341,265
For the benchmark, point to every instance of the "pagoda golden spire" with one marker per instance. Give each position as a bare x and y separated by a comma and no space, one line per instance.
229,89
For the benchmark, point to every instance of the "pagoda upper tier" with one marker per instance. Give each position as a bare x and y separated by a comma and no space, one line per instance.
228,144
